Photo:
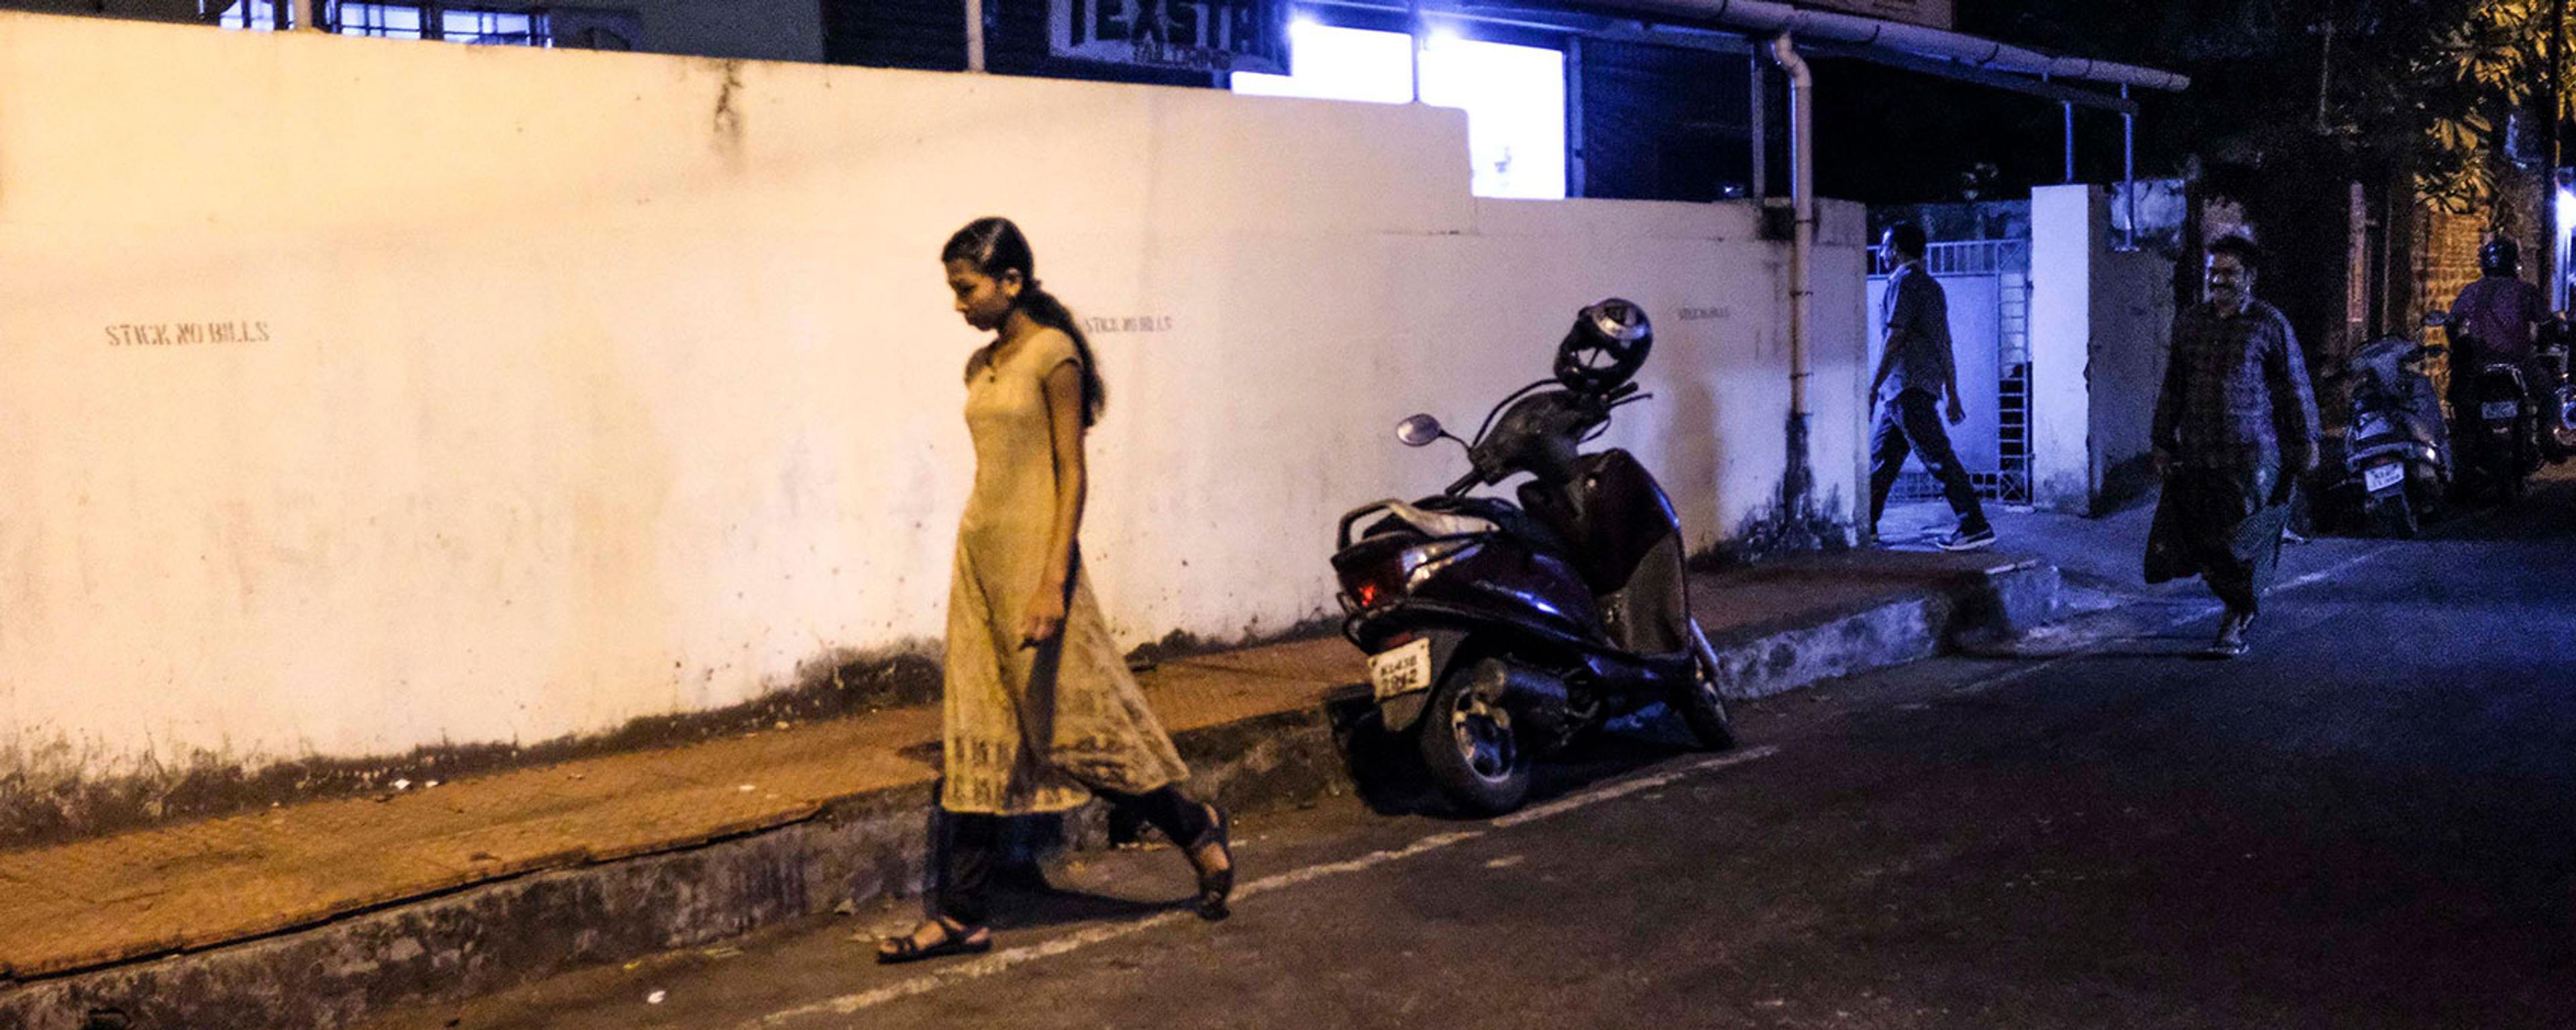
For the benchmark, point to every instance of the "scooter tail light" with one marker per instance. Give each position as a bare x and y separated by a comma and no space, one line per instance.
1390,577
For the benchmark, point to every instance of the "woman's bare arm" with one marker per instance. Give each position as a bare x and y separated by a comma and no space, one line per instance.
1072,485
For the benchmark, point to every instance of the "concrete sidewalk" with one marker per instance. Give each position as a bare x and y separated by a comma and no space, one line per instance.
318,914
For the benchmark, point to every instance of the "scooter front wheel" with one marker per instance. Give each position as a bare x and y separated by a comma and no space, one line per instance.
1475,758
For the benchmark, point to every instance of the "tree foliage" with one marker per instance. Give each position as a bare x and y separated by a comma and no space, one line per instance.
2488,63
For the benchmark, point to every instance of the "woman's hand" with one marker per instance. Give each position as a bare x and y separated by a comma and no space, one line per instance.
1045,616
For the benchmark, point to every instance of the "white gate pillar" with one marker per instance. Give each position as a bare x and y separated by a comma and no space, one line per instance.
2100,321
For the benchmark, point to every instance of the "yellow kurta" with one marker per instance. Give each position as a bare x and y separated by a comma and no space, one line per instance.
1031,729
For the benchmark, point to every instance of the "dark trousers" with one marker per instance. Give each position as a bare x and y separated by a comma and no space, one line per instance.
2215,523
1911,423
970,847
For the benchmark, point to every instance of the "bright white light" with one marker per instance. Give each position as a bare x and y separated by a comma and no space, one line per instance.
2566,211
1514,96
1329,63
1443,37
1515,102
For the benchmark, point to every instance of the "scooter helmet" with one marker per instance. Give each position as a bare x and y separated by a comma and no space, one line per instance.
2500,256
1606,347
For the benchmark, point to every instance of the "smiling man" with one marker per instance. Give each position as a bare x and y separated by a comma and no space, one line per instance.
2236,425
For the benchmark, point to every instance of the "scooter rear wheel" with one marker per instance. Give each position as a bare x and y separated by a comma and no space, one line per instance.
2394,517
1475,758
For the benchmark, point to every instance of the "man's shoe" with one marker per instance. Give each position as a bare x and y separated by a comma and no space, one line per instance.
2231,635
1965,539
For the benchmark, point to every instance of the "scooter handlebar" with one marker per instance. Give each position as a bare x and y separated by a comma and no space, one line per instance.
1465,483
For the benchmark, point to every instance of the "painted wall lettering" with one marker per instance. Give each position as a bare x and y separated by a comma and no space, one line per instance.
1127,324
1704,314
181,334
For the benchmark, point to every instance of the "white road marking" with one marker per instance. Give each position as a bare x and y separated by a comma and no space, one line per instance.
1006,959
1623,788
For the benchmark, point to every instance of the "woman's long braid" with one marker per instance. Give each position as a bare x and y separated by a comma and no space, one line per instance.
1046,310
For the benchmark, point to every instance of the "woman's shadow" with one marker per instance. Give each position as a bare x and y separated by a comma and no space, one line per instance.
1025,894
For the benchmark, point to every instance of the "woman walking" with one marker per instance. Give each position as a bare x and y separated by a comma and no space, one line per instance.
1041,712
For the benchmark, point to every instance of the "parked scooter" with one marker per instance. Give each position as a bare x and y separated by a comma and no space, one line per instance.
2397,451
1498,632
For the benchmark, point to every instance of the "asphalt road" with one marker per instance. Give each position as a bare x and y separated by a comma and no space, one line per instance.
2370,821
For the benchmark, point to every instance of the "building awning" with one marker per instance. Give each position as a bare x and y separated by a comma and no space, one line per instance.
1874,35
1729,24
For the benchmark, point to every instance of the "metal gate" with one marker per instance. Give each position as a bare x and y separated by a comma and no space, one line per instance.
1987,285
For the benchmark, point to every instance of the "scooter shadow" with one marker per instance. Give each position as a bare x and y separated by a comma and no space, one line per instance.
1390,779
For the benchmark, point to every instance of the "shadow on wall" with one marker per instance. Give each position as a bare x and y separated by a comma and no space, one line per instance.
46,798
1695,443
1775,531
2123,484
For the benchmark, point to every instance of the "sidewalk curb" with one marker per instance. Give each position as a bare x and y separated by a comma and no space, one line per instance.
859,849
1764,660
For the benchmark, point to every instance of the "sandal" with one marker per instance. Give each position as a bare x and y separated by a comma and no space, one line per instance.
1215,888
954,939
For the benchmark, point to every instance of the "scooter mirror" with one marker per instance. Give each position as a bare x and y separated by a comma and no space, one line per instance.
1418,431
2437,317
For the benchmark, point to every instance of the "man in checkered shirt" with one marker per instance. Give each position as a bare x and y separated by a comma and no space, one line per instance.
2235,427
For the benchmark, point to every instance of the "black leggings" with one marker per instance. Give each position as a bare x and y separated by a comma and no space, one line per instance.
973,846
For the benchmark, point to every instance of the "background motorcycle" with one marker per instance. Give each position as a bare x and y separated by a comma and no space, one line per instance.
2497,430
2507,430
1499,632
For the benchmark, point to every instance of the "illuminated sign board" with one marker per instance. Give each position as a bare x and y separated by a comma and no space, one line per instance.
1205,35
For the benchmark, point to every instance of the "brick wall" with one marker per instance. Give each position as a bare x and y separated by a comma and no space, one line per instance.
2446,259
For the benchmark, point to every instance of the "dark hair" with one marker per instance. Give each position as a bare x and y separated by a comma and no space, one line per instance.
995,246
1908,238
2240,248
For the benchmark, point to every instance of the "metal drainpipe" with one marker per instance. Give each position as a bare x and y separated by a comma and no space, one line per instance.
2129,172
1798,485
974,35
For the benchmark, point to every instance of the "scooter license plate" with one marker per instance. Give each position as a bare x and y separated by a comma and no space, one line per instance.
2381,477
1401,671
2500,411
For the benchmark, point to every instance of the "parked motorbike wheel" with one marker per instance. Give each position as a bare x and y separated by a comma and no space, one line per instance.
1703,708
1475,758
2395,517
